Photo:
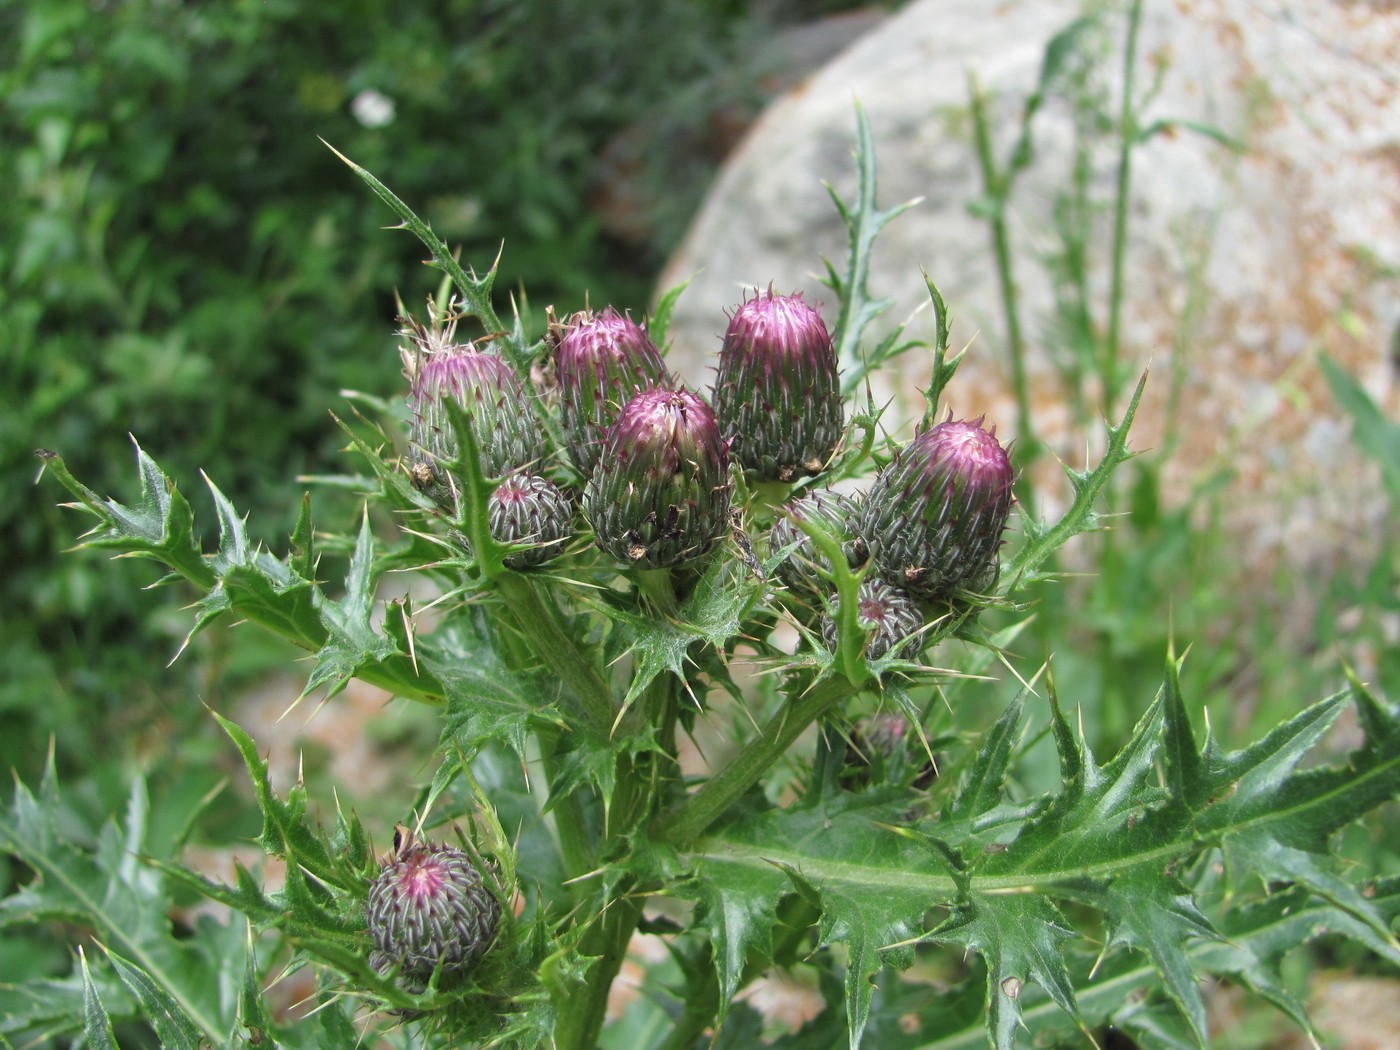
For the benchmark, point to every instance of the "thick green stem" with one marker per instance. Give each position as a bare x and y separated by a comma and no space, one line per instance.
1127,143
996,188
557,649
579,1026
689,820
570,817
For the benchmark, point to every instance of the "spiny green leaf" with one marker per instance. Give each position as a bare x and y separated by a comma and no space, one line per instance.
986,781
160,527
864,221
475,290
487,702
174,1027
711,614
1043,539
738,907
1159,916
354,648
286,832
1277,822
872,886
254,1022
1019,936
97,1026
109,891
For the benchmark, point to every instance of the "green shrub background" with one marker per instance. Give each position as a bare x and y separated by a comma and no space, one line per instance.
182,259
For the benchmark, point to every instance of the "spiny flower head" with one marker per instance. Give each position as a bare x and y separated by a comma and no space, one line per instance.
659,495
428,907
889,614
490,395
934,517
802,568
777,391
527,508
601,361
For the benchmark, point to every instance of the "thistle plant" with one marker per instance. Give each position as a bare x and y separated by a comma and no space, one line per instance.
860,803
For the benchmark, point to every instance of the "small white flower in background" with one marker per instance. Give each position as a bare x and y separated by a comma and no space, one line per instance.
372,108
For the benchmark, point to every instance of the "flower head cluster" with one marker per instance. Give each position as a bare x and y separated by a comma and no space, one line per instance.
655,462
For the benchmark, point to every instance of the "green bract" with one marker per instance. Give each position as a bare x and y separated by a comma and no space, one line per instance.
659,496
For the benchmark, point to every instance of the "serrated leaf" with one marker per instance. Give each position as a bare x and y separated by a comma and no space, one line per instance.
871,885
97,1026
1276,821
174,1027
354,648
1043,539
864,221
286,832
160,527
1019,936
737,906
1161,917
488,702
711,614
985,784
254,1022
109,891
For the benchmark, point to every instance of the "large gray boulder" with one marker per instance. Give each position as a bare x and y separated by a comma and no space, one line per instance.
1241,266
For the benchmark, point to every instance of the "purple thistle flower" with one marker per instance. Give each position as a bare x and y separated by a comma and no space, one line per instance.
490,395
602,361
934,517
659,495
428,907
777,390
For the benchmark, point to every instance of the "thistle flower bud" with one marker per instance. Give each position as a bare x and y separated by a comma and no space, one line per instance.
429,907
934,517
495,403
890,615
886,742
802,568
659,496
526,508
777,393
602,361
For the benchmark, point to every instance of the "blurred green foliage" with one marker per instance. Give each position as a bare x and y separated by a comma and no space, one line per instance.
181,258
